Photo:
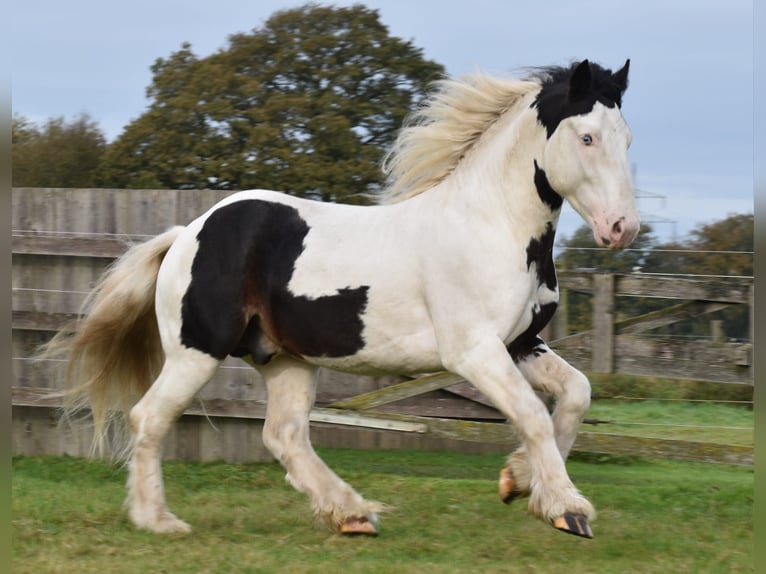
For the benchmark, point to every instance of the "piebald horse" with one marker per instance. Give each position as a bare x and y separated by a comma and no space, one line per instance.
452,270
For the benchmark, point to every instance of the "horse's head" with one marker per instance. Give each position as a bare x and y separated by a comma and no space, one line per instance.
585,157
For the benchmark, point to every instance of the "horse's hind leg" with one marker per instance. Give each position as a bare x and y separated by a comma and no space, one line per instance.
184,373
291,387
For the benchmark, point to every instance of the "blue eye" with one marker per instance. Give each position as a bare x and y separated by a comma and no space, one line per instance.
587,139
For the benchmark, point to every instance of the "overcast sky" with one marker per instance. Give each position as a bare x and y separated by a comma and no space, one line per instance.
690,102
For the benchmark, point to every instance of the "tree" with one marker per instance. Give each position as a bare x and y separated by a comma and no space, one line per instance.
725,246
56,154
722,248
307,104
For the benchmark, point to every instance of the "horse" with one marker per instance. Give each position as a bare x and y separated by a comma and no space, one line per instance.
450,270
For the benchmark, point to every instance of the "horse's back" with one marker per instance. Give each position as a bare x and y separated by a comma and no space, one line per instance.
263,272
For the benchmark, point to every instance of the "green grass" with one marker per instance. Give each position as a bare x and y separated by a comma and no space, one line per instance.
654,516
617,385
724,424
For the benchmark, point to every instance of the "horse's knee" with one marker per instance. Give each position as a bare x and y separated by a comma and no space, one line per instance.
136,419
578,392
271,441
147,428
279,436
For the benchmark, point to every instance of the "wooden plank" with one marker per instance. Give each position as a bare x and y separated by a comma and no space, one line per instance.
227,408
71,246
39,431
666,316
398,391
188,440
723,290
577,281
41,321
232,408
730,290
36,397
667,358
471,431
696,360
693,451
433,426
442,403
468,391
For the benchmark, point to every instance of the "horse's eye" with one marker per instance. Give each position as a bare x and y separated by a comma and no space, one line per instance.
587,139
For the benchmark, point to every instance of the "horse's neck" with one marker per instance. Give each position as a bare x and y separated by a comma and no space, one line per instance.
495,180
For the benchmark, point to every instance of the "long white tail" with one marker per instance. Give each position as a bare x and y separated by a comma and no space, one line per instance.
114,352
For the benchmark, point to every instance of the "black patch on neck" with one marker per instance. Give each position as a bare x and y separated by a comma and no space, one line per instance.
547,194
540,252
555,101
238,292
528,343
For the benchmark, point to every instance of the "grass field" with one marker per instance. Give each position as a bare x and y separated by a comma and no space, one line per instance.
654,516
717,423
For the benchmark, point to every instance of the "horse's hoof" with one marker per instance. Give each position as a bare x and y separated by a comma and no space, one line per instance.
356,526
575,524
507,486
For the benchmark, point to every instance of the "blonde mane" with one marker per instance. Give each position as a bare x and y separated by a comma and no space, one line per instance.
436,136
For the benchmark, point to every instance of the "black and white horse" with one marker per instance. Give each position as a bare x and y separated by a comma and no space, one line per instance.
452,271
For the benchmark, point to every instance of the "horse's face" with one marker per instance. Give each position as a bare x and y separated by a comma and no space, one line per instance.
586,162
586,153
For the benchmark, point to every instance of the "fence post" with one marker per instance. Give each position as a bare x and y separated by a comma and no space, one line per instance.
716,331
560,322
602,357
751,305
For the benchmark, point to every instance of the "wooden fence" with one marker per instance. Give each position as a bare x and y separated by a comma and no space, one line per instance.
64,238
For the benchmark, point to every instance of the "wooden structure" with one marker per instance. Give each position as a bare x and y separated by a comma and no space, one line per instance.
63,240
616,346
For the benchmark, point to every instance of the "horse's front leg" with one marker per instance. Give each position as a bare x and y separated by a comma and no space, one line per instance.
553,496
548,372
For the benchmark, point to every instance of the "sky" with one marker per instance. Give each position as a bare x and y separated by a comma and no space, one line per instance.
689,104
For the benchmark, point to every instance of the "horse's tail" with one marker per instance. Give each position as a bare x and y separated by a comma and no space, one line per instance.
114,352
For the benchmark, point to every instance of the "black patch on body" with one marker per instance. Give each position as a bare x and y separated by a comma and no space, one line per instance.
539,252
573,91
547,194
238,302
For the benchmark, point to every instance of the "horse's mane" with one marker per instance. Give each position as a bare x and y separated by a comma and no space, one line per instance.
448,123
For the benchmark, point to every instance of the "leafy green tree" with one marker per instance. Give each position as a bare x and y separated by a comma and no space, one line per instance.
307,104
59,153
723,248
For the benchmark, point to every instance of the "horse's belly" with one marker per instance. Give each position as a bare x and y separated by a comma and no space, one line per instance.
396,345
391,359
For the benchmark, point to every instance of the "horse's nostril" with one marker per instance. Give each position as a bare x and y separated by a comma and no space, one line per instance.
617,228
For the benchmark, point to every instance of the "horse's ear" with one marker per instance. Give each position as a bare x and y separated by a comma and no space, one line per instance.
621,77
580,82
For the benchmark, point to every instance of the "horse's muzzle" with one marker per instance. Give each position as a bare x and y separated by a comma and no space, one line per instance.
618,234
